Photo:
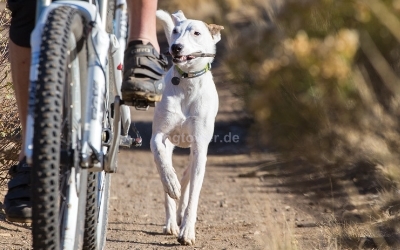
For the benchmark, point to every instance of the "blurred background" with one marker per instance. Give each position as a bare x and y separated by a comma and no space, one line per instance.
319,78
318,81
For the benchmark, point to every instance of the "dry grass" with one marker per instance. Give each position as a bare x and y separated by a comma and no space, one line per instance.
9,121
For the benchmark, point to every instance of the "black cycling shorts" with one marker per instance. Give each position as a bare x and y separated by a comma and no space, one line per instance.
22,21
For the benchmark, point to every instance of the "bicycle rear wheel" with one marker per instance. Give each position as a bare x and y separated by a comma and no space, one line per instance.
58,183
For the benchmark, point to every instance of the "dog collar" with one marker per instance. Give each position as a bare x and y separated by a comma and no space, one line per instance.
193,74
175,80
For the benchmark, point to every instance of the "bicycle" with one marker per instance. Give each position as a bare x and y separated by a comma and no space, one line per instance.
76,121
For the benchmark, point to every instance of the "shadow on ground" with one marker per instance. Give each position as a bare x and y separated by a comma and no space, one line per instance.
229,138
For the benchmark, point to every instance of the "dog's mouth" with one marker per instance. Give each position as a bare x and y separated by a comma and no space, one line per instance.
180,59
183,58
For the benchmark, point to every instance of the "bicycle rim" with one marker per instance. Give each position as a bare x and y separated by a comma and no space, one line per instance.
98,191
97,210
58,183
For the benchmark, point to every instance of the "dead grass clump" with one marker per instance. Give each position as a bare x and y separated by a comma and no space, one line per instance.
350,236
9,121
376,233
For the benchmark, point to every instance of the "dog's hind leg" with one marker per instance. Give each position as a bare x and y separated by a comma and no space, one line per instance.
187,233
162,151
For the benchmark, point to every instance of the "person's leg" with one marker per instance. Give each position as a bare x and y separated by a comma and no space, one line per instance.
143,64
17,201
142,21
20,60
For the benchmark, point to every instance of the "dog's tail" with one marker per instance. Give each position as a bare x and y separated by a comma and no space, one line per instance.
167,22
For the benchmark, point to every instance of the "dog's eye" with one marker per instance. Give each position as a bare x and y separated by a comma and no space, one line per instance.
196,33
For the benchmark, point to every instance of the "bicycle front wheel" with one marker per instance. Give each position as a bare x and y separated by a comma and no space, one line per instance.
58,183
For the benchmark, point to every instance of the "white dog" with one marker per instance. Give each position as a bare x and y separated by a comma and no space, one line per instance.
185,118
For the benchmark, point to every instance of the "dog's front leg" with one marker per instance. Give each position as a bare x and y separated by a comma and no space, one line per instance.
183,201
187,233
162,150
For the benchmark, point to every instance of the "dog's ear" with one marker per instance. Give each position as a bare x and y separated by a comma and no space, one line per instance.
178,17
215,31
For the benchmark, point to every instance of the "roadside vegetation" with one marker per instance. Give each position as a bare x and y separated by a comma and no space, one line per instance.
321,81
9,121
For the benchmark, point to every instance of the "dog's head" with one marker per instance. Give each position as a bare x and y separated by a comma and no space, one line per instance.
192,36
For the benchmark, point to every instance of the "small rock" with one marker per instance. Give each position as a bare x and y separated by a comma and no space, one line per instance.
247,236
306,224
223,204
287,208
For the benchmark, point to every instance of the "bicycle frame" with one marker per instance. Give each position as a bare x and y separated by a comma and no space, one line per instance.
93,153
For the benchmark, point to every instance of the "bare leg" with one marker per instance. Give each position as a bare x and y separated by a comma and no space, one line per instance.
20,59
142,21
142,81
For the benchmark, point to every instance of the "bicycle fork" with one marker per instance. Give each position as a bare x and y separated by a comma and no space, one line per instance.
96,153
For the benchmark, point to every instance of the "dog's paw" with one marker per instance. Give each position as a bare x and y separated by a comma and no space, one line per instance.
171,228
187,235
171,185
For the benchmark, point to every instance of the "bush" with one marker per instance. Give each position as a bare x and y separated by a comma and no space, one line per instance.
9,121
321,79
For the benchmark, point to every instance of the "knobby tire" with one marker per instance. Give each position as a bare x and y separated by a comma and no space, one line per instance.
55,145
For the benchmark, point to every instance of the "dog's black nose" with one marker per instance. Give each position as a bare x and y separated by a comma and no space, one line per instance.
176,48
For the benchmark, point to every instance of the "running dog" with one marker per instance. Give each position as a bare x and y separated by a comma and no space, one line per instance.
185,117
